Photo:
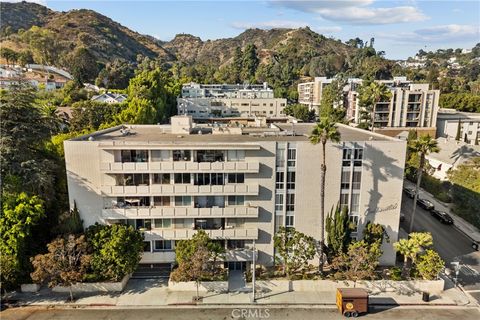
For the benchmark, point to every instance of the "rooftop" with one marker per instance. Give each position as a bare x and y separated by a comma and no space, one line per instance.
454,152
223,133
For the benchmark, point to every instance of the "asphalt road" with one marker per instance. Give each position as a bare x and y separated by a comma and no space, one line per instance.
234,313
450,243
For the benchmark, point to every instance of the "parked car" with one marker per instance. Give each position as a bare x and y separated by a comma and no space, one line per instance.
425,204
409,191
442,216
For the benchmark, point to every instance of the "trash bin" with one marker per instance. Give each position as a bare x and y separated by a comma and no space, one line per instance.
425,296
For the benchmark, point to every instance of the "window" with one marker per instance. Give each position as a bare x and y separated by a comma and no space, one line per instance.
130,179
184,223
161,178
134,155
236,155
182,178
163,245
279,202
358,156
347,156
344,200
290,202
278,222
290,180
236,178
160,155
235,244
209,179
289,221
357,179
147,246
162,223
236,200
183,201
292,157
353,223
144,223
181,155
280,179
161,201
345,184
355,203
210,156
280,159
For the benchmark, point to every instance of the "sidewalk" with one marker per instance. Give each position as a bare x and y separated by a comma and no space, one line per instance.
154,293
463,226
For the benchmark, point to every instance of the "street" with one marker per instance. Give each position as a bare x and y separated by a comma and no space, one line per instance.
274,313
450,243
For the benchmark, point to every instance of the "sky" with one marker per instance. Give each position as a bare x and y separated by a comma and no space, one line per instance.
400,28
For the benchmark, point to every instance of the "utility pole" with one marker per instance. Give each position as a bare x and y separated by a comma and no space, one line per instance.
253,273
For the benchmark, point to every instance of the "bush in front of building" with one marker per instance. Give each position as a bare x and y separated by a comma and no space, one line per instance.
116,251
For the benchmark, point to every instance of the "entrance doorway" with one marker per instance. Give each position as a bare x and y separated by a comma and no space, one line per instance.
236,265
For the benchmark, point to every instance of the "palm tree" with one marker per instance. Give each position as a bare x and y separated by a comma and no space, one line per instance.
370,94
325,130
422,146
411,247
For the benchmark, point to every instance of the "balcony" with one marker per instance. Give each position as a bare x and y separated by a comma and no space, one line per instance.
187,166
180,212
250,189
182,234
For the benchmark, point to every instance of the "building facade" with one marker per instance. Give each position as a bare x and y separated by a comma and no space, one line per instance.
310,93
227,100
464,125
238,184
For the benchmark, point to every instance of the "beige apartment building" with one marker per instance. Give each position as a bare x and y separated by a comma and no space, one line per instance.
310,93
238,184
203,101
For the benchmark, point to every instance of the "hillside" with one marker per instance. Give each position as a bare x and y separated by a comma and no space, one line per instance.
22,15
105,38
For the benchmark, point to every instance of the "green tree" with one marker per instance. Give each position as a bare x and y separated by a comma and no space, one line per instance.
422,146
299,111
359,263
70,222
374,233
23,133
294,248
331,104
91,115
337,227
43,43
429,265
325,130
20,213
65,264
410,249
185,249
370,94
115,75
138,111
9,55
82,65
116,250
249,63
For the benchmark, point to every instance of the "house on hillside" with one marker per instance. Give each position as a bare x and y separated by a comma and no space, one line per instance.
110,97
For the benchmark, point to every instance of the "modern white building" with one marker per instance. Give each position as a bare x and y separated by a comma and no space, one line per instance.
310,93
227,100
238,184
466,125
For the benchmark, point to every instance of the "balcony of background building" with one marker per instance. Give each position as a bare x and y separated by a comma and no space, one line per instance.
183,234
184,166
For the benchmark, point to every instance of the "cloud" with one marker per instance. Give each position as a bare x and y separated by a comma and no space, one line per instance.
289,24
355,11
440,33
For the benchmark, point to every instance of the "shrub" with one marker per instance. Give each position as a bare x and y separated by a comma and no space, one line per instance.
116,250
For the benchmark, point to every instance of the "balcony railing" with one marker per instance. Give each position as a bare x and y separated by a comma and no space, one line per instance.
182,234
181,212
156,167
250,189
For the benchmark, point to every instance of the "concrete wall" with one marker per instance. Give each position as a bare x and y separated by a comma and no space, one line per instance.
95,286
204,286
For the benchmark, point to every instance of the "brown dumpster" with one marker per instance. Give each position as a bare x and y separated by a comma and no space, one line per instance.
352,301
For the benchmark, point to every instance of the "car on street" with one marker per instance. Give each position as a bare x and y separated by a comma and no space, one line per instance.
409,191
425,204
442,216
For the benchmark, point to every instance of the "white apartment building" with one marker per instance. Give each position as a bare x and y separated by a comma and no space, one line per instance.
229,100
411,106
237,184
449,121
